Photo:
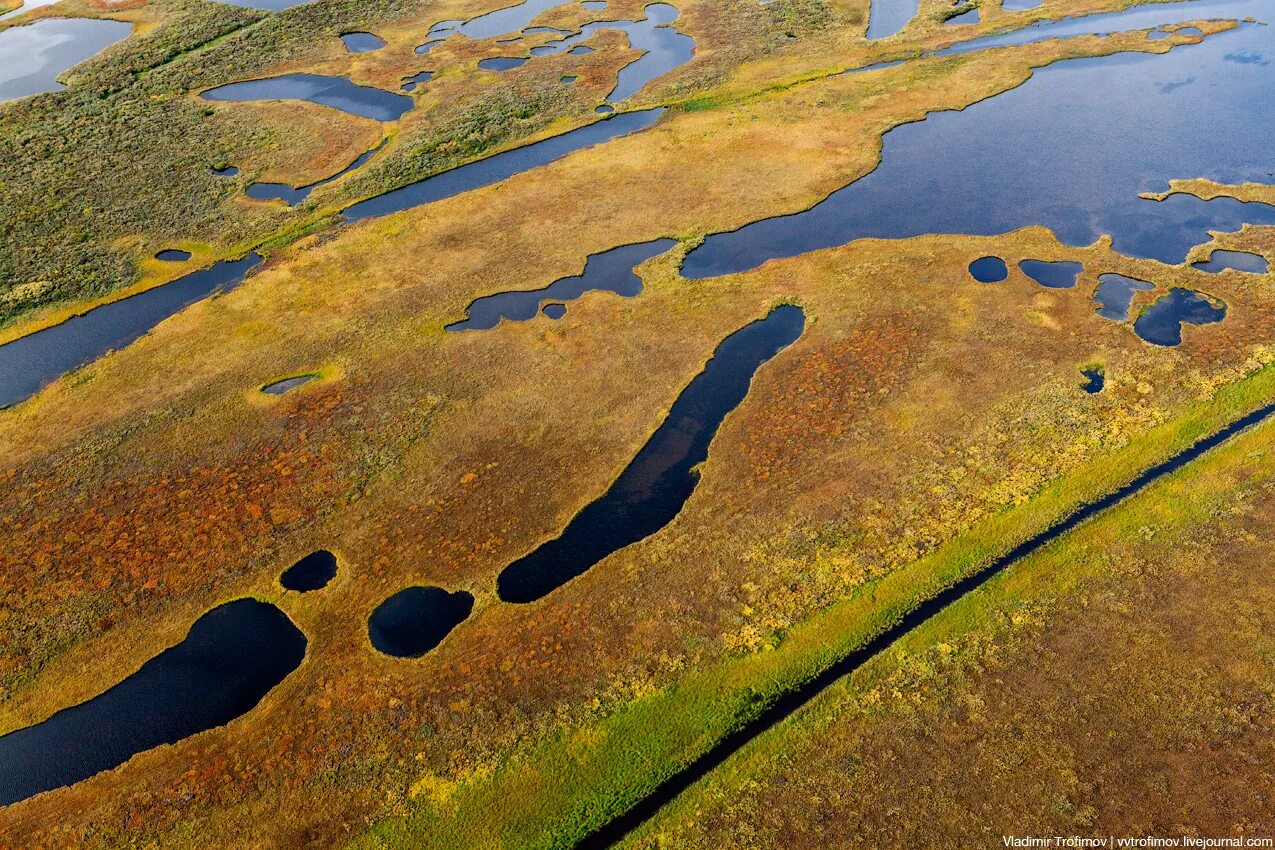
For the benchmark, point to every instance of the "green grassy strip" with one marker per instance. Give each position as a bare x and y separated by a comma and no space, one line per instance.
1190,497
561,789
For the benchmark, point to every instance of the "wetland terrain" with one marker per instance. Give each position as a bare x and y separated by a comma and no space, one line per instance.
709,424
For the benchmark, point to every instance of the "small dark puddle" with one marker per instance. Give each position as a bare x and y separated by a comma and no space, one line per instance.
313,572
555,311
989,270
1095,379
362,42
336,92
228,171
502,63
1115,295
568,80
500,166
29,362
231,658
287,384
295,195
422,49
610,271
604,109
173,255
1058,275
416,619
410,83
661,477
1161,323
1241,261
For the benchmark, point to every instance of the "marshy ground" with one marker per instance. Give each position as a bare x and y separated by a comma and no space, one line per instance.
920,425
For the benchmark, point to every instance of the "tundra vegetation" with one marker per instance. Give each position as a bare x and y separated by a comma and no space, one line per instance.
921,426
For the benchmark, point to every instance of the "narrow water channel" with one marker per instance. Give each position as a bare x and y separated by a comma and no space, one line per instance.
655,485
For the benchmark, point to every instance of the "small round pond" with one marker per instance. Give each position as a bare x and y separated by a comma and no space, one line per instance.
989,270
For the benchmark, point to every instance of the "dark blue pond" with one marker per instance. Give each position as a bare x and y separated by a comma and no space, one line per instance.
989,270
610,271
1095,380
1057,275
504,21
1115,295
1241,261
411,83
228,171
502,63
287,384
294,196
313,572
554,311
336,92
1070,149
416,619
34,55
230,659
362,42
484,172
173,255
30,362
1161,323
661,477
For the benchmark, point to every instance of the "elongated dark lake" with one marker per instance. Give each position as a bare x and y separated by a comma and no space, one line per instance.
230,659
336,92
30,362
661,477
416,619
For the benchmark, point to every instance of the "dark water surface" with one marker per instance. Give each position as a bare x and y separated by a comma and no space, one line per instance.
313,572
336,92
1056,275
500,166
657,482
30,362
230,659
34,55
293,196
1070,149
989,270
416,619
610,271
1115,295
1241,261
173,255
1161,323
1095,380
362,42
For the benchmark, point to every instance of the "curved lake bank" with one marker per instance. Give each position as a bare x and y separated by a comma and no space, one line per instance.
231,658
1035,156
655,485
34,55
31,361
337,92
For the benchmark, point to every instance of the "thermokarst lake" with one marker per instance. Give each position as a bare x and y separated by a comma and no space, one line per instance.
629,425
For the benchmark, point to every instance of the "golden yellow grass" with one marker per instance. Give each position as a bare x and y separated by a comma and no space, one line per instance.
1116,683
146,488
